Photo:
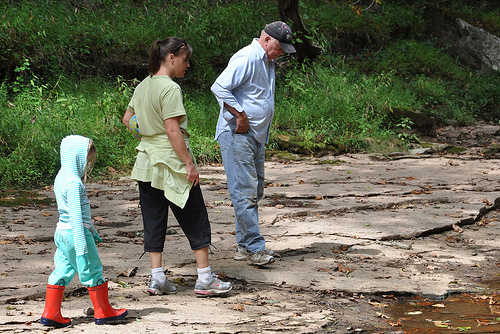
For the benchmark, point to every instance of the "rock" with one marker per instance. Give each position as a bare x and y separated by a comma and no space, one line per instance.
473,46
478,48
423,123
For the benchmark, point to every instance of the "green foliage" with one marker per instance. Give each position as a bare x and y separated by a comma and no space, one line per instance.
405,124
98,37
202,110
35,121
341,27
70,67
333,106
442,87
412,57
481,13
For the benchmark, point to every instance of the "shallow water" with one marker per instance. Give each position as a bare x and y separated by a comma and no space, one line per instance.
466,313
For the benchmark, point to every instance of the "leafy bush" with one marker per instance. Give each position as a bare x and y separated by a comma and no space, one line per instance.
70,68
355,31
337,107
101,37
35,121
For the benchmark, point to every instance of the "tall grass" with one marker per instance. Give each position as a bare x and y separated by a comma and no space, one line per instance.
63,72
342,108
35,121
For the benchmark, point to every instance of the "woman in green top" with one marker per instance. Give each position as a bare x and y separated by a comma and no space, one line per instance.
165,167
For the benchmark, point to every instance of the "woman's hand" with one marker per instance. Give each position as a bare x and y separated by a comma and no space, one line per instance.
192,174
176,139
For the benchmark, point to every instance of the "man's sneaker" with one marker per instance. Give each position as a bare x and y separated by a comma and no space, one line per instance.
261,257
241,254
155,288
215,287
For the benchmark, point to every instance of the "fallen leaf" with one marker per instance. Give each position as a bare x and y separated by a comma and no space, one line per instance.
180,281
457,228
395,324
378,304
128,273
441,324
284,137
487,202
341,268
381,315
484,322
238,307
46,214
439,305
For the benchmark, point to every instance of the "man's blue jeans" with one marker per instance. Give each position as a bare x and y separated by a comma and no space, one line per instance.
243,159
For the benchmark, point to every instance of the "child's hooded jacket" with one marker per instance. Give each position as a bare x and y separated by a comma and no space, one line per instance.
72,201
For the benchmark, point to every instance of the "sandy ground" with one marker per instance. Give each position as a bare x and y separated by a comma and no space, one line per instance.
352,233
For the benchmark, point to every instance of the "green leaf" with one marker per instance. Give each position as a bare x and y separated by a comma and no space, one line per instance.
123,284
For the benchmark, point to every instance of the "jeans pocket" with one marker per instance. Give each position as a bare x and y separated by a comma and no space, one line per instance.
225,140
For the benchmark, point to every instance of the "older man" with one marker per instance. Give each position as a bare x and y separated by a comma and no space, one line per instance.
245,92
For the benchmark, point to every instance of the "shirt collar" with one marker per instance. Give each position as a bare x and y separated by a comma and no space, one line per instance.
260,50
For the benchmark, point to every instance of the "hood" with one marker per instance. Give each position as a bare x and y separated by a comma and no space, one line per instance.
74,151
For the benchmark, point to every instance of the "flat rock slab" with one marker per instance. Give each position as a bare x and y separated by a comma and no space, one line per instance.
355,223
314,208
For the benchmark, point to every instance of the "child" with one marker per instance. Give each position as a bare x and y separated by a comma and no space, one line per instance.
76,238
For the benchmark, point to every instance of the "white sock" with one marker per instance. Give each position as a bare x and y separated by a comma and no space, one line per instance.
159,274
205,274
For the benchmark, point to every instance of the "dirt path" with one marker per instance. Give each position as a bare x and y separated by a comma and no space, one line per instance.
352,233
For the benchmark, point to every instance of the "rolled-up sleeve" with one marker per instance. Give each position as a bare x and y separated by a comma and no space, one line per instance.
236,73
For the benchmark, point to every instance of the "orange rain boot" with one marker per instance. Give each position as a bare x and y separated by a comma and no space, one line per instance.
51,315
103,312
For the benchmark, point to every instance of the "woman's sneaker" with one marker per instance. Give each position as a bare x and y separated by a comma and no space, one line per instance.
156,288
261,257
215,287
